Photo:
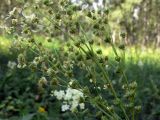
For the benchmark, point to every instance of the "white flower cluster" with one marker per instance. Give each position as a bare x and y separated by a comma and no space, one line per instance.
11,64
71,99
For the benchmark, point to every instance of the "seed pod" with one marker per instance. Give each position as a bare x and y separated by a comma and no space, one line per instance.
82,41
71,49
101,60
79,57
138,108
89,55
104,118
32,40
133,85
46,2
73,30
42,81
54,82
26,31
118,70
35,20
106,11
122,46
68,44
77,43
106,58
50,11
62,3
66,54
117,101
89,14
96,26
107,39
123,35
40,44
14,21
130,105
94,17
70,73
99,12
105,21
91,41
36,6
130,94
69,12
74,84
49,39
99,51
58,16
117,59
86,90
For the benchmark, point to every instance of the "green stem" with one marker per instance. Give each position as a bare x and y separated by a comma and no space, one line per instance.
108,80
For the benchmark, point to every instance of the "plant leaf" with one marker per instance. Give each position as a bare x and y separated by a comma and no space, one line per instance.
28,117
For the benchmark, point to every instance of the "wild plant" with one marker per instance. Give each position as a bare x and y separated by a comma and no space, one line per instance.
78,73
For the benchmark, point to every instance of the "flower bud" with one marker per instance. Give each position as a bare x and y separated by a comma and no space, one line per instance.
89,14
130,94
86,91
14,21
133,85
46,2
77,43
42,81
91,42
54,82
58,16
49,39
96,26
106,11
117,58
123,35
99,51
79,57
107,39
138,108
122,47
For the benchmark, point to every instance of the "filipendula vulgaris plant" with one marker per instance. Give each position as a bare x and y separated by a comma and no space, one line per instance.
83,78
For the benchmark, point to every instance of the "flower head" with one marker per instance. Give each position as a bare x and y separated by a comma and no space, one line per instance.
41,109
71,98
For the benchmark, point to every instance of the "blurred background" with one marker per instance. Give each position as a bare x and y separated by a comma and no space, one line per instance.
139,18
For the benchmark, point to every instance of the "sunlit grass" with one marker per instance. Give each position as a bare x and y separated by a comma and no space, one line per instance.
4,44
54,44
132,54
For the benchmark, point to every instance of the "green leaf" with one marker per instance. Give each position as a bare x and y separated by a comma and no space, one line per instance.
28,117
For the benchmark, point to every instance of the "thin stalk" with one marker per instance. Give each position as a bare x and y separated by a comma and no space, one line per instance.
103,111
112,88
